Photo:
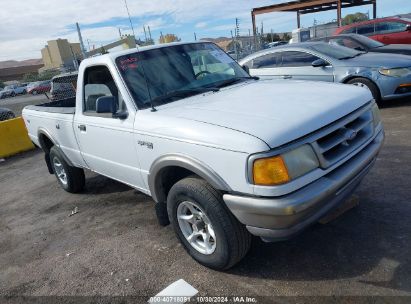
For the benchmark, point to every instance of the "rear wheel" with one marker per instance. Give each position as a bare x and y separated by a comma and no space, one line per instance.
70,178
34,92
368,84
204,225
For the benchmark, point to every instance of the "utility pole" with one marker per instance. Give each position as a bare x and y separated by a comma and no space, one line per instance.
145,34
237,34
195,37
149,34
235,44
75,63
88,43
119,32
83,50
162,37
129,18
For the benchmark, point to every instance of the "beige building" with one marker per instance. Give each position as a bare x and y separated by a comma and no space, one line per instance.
59,53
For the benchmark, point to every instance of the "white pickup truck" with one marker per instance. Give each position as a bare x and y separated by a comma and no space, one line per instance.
224,155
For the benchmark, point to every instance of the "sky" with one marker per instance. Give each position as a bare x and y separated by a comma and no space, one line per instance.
27,25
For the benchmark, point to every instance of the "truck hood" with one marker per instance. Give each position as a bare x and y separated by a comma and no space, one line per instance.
275,111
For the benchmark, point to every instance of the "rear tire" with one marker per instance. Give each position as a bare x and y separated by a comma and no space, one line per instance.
363,82
34,92
70,178
220,240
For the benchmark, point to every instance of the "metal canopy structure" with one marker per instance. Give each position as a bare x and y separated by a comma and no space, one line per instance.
302,7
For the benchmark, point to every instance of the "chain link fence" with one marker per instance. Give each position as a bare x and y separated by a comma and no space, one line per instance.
63,87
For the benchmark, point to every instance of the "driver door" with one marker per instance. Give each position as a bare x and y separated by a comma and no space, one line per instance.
297,65
107,144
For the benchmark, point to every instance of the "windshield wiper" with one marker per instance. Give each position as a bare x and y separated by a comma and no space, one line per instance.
180,94
234,80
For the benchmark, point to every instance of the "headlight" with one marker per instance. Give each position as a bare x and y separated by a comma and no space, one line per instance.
376,115
283,168
399,72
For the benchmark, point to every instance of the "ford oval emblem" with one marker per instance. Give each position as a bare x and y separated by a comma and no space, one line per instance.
350,134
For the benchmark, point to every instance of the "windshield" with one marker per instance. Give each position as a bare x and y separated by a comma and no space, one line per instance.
335,51
156,73
370,43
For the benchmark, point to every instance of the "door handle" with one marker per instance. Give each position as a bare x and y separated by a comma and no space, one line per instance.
82,127
286,77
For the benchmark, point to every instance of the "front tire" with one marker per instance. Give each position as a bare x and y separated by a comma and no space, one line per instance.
70,178
207,229
363,82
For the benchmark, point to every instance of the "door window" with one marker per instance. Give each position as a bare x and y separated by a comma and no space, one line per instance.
297,59
98,82
266,61
350,30
350,43
390,27
366,29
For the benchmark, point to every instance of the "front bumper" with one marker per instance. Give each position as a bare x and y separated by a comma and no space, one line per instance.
390,87
282,217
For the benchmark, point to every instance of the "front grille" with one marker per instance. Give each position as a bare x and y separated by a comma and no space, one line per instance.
344,139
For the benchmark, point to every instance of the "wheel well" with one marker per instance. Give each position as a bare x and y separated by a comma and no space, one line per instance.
167,177
366,78
355,76
45,143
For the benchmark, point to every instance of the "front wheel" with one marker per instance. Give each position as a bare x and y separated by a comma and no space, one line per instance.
206,228
368,84
70,178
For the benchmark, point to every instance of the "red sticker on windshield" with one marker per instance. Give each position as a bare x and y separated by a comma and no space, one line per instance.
128,63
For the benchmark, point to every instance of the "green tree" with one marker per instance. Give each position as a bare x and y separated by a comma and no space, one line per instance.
30,77
271,37
47,75
353,18
286,37
169,38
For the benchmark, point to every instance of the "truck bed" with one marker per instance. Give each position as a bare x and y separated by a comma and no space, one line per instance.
62,106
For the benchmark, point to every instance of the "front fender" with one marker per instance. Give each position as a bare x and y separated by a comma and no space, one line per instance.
186,162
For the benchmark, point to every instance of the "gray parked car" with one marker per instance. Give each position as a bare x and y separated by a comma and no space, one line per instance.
14,89
363,43
387,77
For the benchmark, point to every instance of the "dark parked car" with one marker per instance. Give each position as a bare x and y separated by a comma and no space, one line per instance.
39,87
6,114
392,30
363,43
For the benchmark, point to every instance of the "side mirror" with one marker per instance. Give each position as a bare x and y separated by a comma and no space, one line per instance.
408,28
319,63
246,68
120,115
360,48
106,104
